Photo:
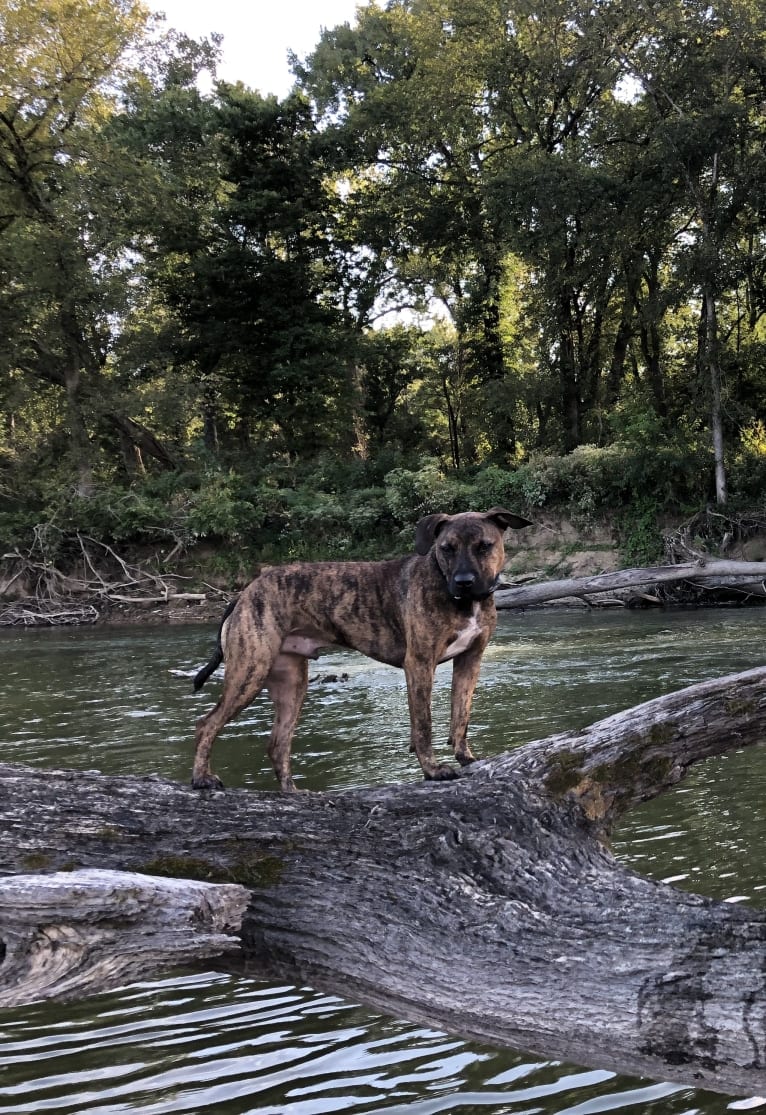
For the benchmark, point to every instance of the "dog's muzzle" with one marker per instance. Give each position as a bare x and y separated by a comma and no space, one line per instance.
467,586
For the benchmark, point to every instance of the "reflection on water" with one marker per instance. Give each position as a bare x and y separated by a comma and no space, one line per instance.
120,701
214,1045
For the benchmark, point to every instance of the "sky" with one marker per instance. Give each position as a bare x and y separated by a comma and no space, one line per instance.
258,33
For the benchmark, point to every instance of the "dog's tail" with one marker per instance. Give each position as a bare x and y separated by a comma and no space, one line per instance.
208,669
211,666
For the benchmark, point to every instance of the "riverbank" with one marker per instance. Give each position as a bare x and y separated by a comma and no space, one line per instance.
102,587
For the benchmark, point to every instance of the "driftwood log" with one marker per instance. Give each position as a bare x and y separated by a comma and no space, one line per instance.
748,576
79,929
490,906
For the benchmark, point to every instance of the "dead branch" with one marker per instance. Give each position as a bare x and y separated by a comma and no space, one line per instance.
105,578
714,531
28,614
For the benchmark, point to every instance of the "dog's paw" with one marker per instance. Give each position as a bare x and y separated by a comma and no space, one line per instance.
441,772
207,782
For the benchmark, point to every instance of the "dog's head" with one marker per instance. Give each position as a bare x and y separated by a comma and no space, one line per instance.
468,548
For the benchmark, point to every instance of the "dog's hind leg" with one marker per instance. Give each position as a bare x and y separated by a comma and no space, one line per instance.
241,686
287,683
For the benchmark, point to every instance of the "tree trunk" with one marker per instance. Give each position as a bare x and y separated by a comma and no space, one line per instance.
619,353
650,318
571,416
711,256
716,412
210,427
452,422
81,449
143,439
489,906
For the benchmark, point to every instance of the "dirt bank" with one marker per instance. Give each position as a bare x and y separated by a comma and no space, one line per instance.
104,587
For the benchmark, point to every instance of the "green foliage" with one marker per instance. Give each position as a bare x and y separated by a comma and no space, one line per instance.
189,281
638,532
217,510
748,469
334,510
410,494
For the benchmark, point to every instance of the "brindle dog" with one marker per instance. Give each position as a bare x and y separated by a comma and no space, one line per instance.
413,612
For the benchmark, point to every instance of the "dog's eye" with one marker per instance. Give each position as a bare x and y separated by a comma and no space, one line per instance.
447,548
484,547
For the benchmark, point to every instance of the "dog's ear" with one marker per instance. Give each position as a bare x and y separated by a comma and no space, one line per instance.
504,519
427,530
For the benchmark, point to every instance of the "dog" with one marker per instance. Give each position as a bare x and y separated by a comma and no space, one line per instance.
414,612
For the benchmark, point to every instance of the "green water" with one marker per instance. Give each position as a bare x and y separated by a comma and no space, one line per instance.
120,701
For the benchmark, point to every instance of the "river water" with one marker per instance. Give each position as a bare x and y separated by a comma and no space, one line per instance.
120,701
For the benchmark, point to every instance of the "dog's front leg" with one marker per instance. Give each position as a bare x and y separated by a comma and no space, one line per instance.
420,680
465,674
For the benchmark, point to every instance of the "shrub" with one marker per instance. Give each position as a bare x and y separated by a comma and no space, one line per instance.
218,510
410,494
639,534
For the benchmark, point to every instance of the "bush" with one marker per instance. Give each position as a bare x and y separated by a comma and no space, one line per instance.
218,510
333,508
412,494
639,533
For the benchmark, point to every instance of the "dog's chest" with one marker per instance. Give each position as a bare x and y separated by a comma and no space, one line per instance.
464,637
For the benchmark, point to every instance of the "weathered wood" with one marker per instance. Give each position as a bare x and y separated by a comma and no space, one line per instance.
524,596
489,906
70,932
43,595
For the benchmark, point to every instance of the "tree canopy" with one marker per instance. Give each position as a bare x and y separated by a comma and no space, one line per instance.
474,236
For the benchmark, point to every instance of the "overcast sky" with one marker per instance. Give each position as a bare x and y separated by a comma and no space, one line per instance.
258,33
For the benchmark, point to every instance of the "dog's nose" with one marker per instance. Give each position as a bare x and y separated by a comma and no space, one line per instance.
464,580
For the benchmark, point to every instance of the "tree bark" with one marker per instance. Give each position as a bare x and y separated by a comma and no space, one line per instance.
489,906
713,366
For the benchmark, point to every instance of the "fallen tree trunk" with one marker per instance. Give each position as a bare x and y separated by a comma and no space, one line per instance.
489,906
712,570
74,930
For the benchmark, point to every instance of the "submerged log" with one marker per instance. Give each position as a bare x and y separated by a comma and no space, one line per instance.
490,906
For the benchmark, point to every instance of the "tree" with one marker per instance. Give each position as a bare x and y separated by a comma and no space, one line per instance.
485,131
701,71
59,64
240,262
398,91
616,153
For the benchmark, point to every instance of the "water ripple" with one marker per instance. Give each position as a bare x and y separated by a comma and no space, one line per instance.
203,1044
